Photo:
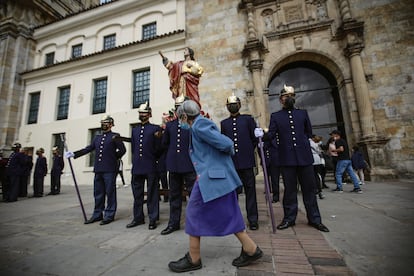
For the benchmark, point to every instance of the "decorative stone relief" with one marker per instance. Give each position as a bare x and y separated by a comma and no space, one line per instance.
293,13
298,42
268,19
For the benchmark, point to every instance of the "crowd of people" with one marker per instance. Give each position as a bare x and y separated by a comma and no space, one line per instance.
15,172
189,153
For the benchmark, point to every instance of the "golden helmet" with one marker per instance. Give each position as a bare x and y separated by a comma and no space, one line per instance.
287,90
108,119
144,108
232,99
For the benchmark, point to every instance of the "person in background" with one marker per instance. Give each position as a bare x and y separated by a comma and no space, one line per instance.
40,171
57,168
344,163
358,164
240,129
121,172
107,151
14,170
291,127
25,178
332,153
162,175
317,163
213,209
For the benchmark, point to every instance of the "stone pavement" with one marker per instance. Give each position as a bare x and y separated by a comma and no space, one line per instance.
371,234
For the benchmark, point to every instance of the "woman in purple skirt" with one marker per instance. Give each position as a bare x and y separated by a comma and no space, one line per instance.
213,193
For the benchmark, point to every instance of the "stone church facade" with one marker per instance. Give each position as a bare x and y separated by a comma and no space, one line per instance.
364,51
351,64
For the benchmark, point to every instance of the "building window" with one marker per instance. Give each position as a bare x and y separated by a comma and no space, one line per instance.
149,30
99,96
57,138
34,108
141,87
63,105
76,50
50,58
93,132
109,42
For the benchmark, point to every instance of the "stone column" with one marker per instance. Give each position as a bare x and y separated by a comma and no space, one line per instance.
363,102
253,50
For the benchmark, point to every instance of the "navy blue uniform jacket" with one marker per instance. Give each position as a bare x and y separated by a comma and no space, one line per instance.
240,129
145,148
107,152
176,142
292,130
40,167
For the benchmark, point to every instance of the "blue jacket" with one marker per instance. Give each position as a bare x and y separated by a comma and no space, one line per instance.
240,129
145,148
107,152
211,153
292,130
175,141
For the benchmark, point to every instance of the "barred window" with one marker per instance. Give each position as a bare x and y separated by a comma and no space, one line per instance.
76,50
149,30
99,96
109,42
50,58
63,105
34,108
141,87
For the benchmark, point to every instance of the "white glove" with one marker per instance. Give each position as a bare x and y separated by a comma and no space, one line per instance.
258,132
69,154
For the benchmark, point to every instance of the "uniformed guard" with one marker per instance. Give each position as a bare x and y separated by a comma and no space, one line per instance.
25,177
292,129
39,173
56,172
14,169
240,128
145,143
182,175
107,151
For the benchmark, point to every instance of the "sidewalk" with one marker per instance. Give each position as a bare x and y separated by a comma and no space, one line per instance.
371,234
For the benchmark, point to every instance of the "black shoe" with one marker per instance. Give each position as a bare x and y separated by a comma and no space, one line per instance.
319,226
169,230
285,225
324,186
106,221
92,220
185,264
254,226
51,193
244,259
152,225
135,223
275,200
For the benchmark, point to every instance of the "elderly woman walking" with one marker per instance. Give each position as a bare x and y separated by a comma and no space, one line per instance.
213,193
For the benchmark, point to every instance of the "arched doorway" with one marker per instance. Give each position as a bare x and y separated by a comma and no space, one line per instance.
316,91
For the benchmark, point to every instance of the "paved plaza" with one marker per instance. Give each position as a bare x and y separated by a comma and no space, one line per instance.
371,234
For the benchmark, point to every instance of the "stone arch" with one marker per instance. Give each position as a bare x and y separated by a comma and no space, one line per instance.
344,101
